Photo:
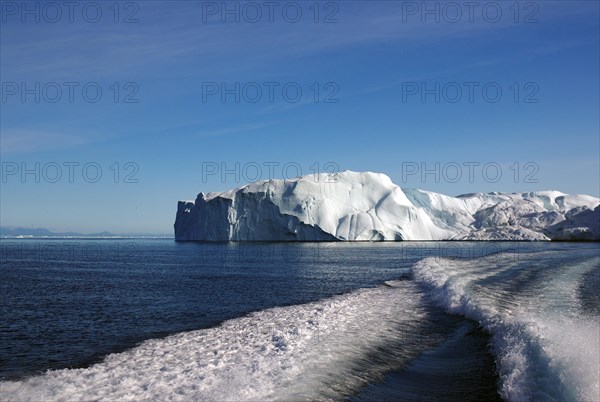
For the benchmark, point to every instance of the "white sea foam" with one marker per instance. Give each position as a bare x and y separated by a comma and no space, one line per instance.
544,348
310,351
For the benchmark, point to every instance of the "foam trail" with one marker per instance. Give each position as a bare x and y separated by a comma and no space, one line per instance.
319,350
545,348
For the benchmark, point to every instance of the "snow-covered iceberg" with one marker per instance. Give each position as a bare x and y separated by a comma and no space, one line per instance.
353,206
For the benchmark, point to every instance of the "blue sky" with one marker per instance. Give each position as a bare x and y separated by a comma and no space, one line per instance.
379,66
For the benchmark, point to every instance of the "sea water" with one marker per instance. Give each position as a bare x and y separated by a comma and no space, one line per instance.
135,319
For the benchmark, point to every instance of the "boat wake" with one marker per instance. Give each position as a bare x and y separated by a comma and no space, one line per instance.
546,346
319,350
538,309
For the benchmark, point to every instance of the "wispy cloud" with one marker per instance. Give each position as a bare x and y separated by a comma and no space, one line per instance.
17,141
232,130
173,33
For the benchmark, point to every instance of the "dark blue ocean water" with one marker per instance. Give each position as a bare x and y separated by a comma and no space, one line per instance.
68,303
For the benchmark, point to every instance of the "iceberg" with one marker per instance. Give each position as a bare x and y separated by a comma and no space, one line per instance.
366,206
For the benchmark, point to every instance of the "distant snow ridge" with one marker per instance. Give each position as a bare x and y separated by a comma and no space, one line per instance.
353,206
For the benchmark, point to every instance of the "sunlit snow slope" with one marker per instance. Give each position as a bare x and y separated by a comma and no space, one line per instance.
355,206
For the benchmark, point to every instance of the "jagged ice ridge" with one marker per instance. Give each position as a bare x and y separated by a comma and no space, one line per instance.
355,206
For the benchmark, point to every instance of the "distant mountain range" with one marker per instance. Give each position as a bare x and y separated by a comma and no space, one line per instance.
10,231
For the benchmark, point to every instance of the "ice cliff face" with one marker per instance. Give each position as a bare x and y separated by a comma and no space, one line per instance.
368,206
